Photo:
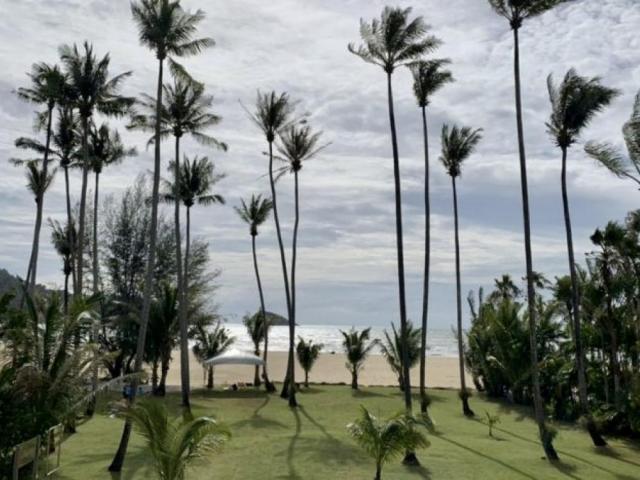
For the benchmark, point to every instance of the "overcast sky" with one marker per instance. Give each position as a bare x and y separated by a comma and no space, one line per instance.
347,269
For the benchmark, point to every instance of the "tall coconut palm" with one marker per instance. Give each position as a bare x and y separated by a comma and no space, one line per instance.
390,42
90,91
298,144
184,111
47,88
105,149
63,239
516,12
357,347
255,328
457,145
65,141
274,113
255,213
307,353
175,444
428,77
612,158
168,30
574,104
38,182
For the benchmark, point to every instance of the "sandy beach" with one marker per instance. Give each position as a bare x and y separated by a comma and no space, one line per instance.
442,372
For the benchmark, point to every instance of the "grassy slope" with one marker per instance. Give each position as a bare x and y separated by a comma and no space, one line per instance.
270,441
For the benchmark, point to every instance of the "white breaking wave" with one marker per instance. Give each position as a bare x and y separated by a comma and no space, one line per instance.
440,342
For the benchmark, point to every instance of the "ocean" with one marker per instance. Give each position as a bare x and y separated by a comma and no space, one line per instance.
440,342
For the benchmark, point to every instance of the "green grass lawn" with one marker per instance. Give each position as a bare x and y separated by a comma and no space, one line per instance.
270,441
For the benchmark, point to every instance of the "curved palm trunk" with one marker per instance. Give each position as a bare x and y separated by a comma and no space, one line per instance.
33,261
598,441
182,296
83,207
283,261
263,312
292,319
69,219
118,460
424,401
410,457
463,382
538,404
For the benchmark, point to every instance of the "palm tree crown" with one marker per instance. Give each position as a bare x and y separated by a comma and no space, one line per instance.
38,181
614,160
184,110
255,213
274,112
429,77
457,145
298,144
393,40
48,87
90,88
167,29
197,177
516,11
574,104
106,148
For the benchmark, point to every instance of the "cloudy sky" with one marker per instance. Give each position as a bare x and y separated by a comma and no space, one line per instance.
347,270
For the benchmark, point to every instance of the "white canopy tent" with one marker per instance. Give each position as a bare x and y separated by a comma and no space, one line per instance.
234,357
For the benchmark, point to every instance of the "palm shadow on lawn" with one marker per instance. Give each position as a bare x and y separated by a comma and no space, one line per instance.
135,459
256,420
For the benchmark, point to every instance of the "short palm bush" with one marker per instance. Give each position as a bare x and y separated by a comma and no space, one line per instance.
385,440
175,444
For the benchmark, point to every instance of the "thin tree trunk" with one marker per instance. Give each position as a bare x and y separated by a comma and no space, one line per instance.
538,404
83,205
269,387
283,260
292,317
598,441
66,293
378,472
306,379
463,383
164,370
182,303
424,402
354,379
33,264
118,460
613,334
69,230
154,377
95,235
410,457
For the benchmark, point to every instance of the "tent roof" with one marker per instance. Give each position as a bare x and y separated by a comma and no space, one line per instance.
235,357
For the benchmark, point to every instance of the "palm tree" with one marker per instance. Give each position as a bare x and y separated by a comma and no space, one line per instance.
90,90
168,30
105,149
457,145
209,343
298,145
357,348
65,140
256,331
63,239
174,445
614,160
390,42
428,77
255,213
516,12
38,182
385,440
184,110
47,88
574,104
307,353
505,289
274,113
393,350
